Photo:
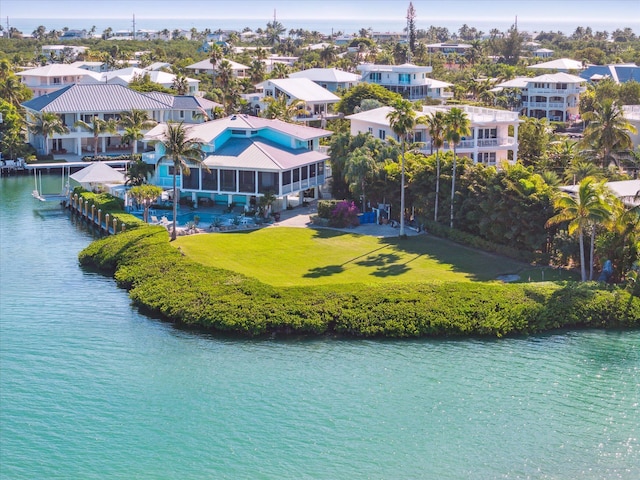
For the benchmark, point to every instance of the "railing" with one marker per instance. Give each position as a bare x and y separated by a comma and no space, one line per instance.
543,105
471,144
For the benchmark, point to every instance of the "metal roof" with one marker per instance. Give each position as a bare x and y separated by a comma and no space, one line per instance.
326,75
261,154
302,89
94,98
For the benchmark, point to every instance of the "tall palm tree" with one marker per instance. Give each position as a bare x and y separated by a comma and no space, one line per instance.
457,126
98,127
215,56
402,120
436,124
257,71
134,122
360,166
582,211
182,150
277,108
180,84
46,124
608,131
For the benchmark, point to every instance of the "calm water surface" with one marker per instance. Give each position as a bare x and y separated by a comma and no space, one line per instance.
91,389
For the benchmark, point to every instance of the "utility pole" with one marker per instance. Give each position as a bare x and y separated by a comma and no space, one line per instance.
134,26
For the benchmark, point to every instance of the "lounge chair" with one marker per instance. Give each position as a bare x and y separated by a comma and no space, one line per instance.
164,221
154,220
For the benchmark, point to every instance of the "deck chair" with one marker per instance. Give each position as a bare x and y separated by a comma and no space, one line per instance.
154,220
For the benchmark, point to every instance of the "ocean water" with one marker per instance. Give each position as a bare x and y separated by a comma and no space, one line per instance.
92,389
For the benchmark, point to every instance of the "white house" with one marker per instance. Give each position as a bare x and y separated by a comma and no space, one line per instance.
125,76
205,66
330,78
48,79
489,143
106,101
448,48
554,96
559,65
410,81
247,157
318,101
632,115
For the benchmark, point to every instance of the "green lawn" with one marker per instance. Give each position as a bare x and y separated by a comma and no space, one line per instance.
302,256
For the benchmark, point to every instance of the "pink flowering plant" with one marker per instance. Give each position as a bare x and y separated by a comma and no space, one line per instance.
345,214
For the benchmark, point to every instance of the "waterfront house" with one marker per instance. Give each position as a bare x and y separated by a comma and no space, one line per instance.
247,157
84,102
206,67
410,81
330,78
555,96
489,143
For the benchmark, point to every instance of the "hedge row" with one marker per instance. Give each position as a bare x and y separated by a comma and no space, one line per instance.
161,280
109,204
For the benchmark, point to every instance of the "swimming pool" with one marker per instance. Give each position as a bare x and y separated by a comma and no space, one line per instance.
205,219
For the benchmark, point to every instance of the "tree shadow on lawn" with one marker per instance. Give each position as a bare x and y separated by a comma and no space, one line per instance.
326,271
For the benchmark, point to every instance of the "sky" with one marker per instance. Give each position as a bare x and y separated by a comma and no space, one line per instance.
621,13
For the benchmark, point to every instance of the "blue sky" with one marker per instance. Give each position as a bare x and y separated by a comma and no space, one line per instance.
464,11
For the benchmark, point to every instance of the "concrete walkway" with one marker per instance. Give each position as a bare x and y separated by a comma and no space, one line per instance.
300,217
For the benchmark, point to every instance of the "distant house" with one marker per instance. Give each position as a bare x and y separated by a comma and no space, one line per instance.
205,66
318,101
559,65
247,157
71,51
632,115
448,48
330,78
554,96
408,80
48,79
543,53
125,76
186,108
619,73
272,60
75,34
489,142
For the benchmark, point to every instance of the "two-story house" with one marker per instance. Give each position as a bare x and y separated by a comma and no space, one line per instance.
47,79
205,66
246,157
490,141
555,96
410,81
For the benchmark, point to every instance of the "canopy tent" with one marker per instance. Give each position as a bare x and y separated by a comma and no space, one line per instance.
97,173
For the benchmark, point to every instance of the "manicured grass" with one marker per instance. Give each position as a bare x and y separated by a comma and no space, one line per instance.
301,256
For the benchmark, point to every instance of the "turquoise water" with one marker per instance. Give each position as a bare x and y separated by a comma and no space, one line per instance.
91,389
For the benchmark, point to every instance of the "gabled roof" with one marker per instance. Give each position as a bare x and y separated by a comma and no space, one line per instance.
559,64
206,65
557,77
326,75
95,98
302,89
518,82
259,153
184,102
619,73
127,75
208,131
58,70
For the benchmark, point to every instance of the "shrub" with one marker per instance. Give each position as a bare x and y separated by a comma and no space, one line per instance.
325,207
344,214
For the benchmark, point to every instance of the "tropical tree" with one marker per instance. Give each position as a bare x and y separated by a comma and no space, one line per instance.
98,127
359,168
280,70
257,71
457,126
180,84
436,124
215,56
134,122
181,150
608,131
46,124
583,210
402,120
137,171
277,108
145,195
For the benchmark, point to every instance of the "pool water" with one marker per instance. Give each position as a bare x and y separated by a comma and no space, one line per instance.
206,219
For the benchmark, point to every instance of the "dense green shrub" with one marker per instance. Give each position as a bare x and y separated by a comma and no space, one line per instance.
162,281
325,207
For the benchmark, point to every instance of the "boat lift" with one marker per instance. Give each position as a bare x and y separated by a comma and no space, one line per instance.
38,194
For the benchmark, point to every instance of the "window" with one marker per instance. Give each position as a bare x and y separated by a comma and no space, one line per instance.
181,114
382,134
228,180
286,177
296,175
267,182
304,172
237,132
312,171
310,145
404,78
376,76
321,168
56,81
191,181
247,181
210,180
417,137
371,130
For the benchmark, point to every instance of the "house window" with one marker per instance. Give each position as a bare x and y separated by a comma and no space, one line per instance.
404,78
370,130
321,168
310,145
382,134
376,76
296,175
238,132
304,172
267,182
417,137
286,177
228,180
192,180
56,81
181,114
312,171
247,181
210,180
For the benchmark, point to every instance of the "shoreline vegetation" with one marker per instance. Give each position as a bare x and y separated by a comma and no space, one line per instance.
163,281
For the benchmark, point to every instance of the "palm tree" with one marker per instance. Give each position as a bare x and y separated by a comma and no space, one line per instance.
328,55
582,211
279,70
214,57
47,124
180,84
256,71
97,128
360,165
145,195
402,120
137,171
608,131
457,126
277,108
182,151
134,122
436,124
